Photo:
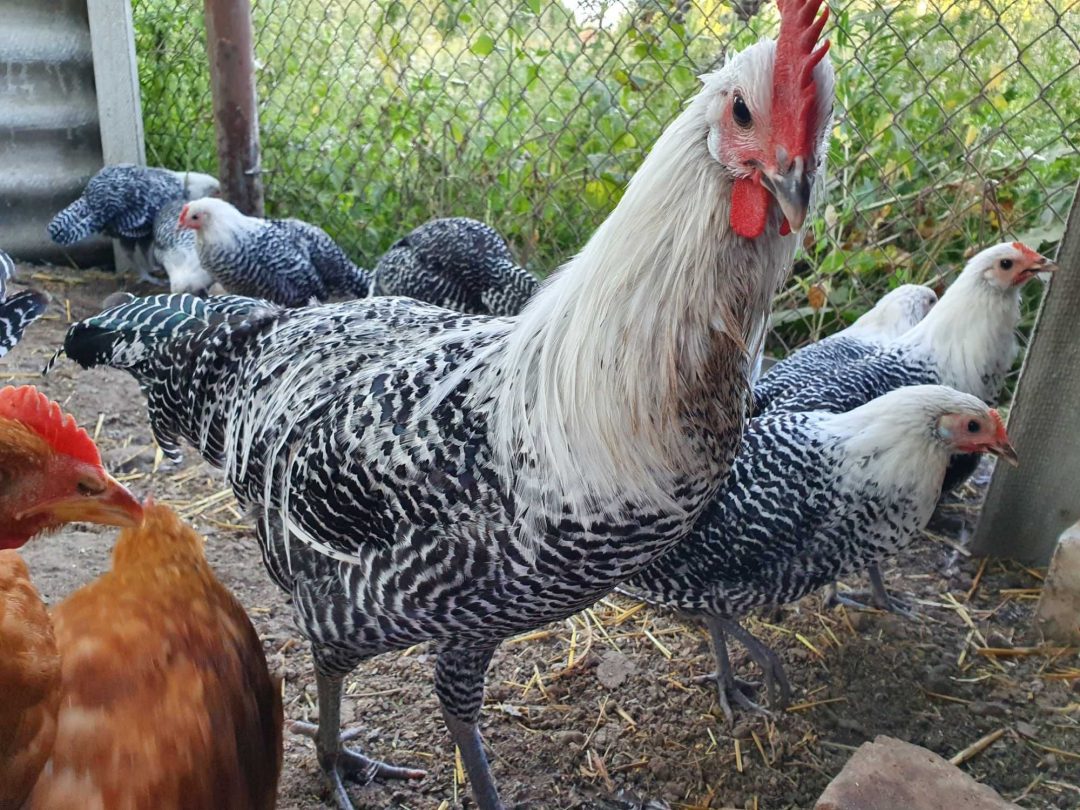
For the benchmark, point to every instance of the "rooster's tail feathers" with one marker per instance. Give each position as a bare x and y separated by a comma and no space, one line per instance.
74,223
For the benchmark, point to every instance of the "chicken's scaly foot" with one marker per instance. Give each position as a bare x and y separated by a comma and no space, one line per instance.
338,762
735,689
877,597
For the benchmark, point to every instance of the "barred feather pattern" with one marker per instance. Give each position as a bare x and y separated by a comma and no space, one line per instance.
388,525
808,500
456,263
121,201
286,261
18,311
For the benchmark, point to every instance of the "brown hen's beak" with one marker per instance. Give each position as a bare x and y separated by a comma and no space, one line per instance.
1005,451
114,505
791,190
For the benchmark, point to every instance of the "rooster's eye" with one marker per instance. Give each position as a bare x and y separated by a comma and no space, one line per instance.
973,426
740,112
1005,264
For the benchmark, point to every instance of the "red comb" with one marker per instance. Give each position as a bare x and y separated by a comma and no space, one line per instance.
999,425
1028,254
794,100
39,413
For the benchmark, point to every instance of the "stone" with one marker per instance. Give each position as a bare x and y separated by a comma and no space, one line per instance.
1058,614
889,774
614,668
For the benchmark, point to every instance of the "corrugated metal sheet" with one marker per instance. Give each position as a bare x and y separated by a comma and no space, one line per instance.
49,137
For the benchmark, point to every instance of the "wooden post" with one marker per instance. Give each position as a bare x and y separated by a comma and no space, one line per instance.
116,82
230,46
1028,508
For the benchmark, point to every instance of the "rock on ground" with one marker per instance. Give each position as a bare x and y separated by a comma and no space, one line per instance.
889,774
1058,616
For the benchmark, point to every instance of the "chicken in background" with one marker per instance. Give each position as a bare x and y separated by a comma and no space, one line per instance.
813,496
286,261
122,201
166,696
175,251
456,263
967,341
893,315
18,311
50,474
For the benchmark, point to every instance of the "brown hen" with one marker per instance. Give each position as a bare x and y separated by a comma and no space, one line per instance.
167,700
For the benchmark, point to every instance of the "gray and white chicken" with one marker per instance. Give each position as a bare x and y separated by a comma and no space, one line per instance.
893,315
122,202
813,496
175,251
18,311
285,261
457,263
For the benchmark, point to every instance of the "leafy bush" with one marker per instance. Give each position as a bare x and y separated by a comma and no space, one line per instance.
375,116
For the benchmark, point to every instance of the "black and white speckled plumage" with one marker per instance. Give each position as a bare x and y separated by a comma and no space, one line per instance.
286,261
891,317
18,311
457,263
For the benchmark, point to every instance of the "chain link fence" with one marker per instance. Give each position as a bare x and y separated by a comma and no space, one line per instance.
957,125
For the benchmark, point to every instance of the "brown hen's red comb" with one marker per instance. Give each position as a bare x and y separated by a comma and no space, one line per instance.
794,101
32,408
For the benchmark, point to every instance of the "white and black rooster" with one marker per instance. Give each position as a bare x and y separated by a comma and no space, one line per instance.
422,475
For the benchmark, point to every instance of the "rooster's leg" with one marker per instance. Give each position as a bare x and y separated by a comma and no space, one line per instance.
459,683
878,596
776,683
729,688
338,762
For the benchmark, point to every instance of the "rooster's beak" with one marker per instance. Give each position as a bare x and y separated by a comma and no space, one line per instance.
791,190
113,505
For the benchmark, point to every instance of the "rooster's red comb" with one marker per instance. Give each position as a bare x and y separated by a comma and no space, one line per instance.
794,100
32,408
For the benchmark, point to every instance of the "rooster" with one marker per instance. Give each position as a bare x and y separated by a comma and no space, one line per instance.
892,316
166,697
967,341
286,261
813,496
121,202
457,263
50,474
18,311
422,475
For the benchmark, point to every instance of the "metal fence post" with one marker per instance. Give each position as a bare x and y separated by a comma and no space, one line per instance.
230,46
1027,508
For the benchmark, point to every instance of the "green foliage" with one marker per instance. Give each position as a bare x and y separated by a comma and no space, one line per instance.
377,115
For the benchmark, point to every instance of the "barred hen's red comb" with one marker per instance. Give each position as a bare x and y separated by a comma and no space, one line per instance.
32,408
794,101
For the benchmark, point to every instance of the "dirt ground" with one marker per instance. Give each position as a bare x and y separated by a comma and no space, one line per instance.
601,711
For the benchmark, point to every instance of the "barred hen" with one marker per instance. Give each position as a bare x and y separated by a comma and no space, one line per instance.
122,201
166,697
175,251
423,475
896,312
967,341
18,311
456,263
813,496
286,261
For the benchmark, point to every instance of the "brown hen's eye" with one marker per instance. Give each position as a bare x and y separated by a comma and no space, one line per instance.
973,426
740,112
1006,264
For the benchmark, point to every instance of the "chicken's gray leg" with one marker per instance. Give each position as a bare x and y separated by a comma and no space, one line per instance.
773,671
878,596
459,683
337,761
729,688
